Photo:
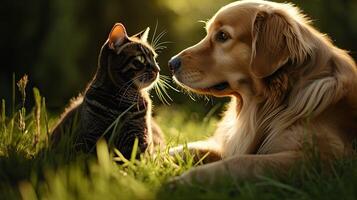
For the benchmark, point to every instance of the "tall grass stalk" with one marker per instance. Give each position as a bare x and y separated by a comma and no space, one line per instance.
46,121
37,115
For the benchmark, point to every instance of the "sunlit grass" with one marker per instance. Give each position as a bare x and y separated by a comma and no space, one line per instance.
29,170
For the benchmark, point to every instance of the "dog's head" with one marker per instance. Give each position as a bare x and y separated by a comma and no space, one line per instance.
246,41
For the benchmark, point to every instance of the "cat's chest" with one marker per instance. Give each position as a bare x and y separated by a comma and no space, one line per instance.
103,114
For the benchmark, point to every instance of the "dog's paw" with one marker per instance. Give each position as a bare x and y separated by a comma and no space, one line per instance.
175,182
183,180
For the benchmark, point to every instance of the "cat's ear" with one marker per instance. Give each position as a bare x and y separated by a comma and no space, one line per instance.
117,35
143,35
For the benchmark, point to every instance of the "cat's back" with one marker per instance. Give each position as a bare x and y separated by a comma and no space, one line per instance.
68,119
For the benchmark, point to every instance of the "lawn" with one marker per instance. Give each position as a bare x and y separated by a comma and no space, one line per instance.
28,170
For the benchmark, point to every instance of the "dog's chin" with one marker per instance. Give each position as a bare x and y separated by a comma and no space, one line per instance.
220,89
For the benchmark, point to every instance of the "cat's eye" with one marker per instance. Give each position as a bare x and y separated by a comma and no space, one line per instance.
221,36
138,63
140,58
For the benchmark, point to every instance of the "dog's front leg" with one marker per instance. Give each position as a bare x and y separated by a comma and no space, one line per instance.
239,168
208,150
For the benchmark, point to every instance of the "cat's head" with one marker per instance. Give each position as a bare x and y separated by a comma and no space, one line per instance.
130,60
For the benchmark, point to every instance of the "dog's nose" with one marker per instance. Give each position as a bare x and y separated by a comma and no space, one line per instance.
175,63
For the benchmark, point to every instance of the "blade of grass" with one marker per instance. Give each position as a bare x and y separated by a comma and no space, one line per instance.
44,110
134,151
37,115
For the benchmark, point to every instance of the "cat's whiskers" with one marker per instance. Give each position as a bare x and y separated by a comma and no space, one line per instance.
137,95
125,91
130,83
161,89
159,37
155,40
153,36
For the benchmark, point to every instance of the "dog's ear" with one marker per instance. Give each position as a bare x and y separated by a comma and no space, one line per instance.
117,35
274,42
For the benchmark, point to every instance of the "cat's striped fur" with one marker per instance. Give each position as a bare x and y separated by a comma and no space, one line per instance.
126,68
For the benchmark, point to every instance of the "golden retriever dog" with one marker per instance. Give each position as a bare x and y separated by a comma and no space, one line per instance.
290,86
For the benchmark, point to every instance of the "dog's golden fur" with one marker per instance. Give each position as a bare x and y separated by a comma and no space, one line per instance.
289,86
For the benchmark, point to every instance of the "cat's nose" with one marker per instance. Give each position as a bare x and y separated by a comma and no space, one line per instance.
175,64
157,68
154,67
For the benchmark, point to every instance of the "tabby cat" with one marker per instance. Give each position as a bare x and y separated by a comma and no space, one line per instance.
126,70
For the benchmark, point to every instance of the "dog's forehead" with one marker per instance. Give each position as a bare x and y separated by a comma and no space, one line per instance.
234,15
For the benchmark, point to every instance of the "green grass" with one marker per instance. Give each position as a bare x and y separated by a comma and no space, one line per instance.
29,171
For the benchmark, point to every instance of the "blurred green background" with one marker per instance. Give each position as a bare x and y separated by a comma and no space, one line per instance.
57,42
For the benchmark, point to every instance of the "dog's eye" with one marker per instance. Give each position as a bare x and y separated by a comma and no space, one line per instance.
222,36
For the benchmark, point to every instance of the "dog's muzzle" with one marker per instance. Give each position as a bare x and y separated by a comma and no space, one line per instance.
175,64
